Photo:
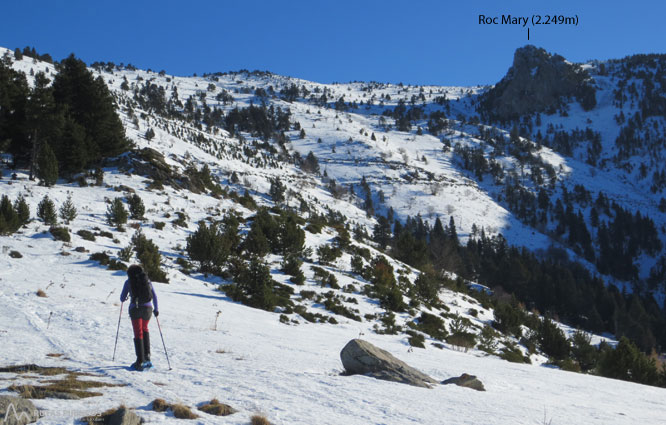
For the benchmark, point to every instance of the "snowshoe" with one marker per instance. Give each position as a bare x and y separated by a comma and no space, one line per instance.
146,365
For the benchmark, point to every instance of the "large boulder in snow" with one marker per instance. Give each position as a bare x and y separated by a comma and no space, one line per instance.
361,357
17,411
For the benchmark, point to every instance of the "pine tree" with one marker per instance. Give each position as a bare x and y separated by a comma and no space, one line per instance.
583,351
47,166
116,214
427,287
277,190
256,242
68,211
552,340
384,285
626,362
149,256
452,232
310,164
99,176
150,134
9,218
90,104
44,123
136,207
290,236
76,148
382,232
254,286
14,92
22,209
46,211
208,247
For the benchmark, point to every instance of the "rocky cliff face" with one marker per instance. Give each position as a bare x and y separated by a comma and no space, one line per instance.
537,82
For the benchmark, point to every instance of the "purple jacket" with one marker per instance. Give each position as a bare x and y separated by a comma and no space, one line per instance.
126,292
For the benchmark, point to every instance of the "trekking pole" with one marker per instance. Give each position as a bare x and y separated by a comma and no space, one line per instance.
163,344
117,330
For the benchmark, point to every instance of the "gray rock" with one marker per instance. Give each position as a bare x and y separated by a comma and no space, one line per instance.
467,381
361,357
17,411
63,396
122,416
538,82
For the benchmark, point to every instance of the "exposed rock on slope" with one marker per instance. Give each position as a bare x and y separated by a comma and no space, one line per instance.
361,357
467,381
537,82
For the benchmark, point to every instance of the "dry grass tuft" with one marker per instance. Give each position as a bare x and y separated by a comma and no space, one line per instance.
54,355
33,368
183,412
41,293
68,387
259,420
159,405
214,407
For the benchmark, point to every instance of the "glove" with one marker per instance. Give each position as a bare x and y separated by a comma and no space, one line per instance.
156,313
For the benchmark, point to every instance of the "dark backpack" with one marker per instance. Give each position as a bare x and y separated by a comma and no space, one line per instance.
140,288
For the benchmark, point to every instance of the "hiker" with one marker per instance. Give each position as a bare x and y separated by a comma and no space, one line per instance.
143,302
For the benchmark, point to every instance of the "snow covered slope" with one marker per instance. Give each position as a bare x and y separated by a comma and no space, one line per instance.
290,373
250,358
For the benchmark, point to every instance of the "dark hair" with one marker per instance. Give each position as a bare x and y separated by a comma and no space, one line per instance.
134,271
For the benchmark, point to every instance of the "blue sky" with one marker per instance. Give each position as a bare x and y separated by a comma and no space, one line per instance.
416,42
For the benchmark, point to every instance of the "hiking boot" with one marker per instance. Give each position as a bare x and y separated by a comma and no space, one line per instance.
138,349
146,347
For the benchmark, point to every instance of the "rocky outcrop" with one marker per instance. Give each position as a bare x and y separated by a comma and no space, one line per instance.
123,416
148,162
119,416
467,381
537,82
17,411
361,357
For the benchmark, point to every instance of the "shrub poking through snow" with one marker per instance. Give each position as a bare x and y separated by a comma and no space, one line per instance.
214,407
60,233
259,420
179,410
87,235
159,405
183,412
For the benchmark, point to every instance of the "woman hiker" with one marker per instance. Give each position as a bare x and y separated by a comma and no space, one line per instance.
143,302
